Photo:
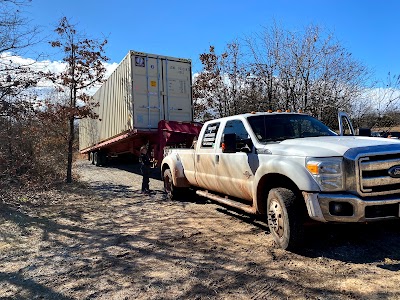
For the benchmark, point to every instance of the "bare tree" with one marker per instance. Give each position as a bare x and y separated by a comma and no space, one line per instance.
16,35
266,51
234,75
84,59
297,70
16,98
219,88
306,70
379,107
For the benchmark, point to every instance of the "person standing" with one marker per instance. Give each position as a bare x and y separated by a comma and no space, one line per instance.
145,168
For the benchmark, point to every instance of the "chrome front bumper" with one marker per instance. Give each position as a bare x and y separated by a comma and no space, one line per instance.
318,207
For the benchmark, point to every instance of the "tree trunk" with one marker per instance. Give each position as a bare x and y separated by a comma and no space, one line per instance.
70,149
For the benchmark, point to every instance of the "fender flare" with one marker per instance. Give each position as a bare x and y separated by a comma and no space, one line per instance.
295,172
173,163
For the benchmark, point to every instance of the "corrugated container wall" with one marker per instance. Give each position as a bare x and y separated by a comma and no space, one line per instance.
143,89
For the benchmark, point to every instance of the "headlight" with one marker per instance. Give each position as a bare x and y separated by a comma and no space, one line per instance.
328,172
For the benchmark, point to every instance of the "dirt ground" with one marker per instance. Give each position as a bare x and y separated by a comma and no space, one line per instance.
103,239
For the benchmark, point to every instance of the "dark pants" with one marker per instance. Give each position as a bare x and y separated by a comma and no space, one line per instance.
146,180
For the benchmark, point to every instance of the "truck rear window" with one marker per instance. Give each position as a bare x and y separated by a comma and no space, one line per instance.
210,135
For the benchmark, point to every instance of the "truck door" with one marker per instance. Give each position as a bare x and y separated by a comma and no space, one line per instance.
205,159
235,171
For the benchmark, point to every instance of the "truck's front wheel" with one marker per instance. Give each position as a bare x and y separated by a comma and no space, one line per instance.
285,218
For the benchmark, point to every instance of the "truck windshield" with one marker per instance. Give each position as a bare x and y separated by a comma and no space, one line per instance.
279,127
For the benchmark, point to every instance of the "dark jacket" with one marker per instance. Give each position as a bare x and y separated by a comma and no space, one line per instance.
145,160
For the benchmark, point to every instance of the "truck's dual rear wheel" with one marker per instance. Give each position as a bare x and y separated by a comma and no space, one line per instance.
172,192
285,218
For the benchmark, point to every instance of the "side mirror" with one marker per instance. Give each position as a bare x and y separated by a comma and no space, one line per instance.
229,143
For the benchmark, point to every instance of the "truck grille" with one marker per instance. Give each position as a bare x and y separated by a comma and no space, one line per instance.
379,174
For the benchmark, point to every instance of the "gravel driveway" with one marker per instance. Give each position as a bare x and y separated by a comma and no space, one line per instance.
105,240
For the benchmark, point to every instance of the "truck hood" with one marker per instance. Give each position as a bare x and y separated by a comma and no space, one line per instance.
326,145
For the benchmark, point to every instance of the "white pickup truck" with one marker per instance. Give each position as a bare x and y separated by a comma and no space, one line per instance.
289,167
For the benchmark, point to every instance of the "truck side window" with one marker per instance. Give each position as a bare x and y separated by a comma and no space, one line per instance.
209,136
242,136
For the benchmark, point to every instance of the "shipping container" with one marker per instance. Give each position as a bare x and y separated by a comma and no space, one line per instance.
143,91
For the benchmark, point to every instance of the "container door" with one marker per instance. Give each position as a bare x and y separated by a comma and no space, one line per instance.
147,91
177,92
161,90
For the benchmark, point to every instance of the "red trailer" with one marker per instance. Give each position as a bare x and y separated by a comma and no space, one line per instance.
169,134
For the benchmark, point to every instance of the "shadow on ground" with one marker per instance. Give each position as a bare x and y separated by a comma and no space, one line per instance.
155,172
112,242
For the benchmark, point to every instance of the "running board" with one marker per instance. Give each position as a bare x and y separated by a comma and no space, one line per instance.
247,208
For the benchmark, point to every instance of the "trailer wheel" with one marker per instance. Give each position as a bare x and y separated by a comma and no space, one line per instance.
285,220
96,159
102,158
173,192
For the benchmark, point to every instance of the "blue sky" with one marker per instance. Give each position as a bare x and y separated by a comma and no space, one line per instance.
184,28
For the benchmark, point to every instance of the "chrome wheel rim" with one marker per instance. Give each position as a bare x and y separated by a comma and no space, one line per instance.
275,218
